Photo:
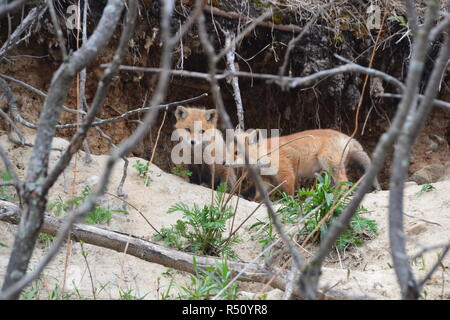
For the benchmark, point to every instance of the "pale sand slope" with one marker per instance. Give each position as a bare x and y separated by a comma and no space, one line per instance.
370,265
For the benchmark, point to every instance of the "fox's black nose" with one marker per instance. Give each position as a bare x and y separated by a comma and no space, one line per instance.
192,142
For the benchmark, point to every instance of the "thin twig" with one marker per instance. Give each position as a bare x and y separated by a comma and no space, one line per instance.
10,7
234,80
35,196
84,254
58,31
137,210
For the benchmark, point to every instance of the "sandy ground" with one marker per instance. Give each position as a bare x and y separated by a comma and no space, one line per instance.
365,270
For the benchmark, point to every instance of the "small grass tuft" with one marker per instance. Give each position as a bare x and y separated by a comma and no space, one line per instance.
129,294
425,188
7,192
98,215
208,282
179,171
143,170
46,239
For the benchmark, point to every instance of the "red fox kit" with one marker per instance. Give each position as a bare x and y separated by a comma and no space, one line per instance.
302,154
197,129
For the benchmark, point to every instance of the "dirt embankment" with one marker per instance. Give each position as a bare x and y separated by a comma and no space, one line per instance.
330,103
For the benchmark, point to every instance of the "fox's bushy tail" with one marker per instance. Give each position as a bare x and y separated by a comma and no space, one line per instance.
358,154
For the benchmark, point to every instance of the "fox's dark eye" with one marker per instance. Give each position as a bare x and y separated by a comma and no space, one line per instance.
188,130
202,131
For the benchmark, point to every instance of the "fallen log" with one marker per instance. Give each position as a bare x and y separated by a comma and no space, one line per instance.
144,249
155,253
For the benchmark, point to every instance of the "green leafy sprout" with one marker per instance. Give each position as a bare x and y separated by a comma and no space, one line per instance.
201,229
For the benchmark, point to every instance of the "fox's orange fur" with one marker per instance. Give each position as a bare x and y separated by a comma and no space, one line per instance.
202,135
302,154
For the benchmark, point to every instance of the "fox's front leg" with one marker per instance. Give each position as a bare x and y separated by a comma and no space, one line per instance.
227,175
231,178
339,176
287,177
258,196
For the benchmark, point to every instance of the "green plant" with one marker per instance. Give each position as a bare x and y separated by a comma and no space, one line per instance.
97,215
425,188
208,282
143,170
328,202
58,207
32,292
420,262
179,171
46,239
263,296
77,292
424,295
5,191
58,294
129,295
3,245
201,229
265,232
291,208
165,295
396,18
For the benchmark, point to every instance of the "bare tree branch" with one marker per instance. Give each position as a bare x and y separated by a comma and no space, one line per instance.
140,248
155,253
436,102
427,249
13,290
291,82
243,34
234,80
310,277
215,89
15,39
102,89
350,67
433,269
35,200
12,104
127,114
83,105
415,121
305,29
13,125
412,16
440,27
37,91
11,170
10,7
97,121
58,31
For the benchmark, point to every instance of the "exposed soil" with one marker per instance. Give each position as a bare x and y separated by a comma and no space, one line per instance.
328,104
359,272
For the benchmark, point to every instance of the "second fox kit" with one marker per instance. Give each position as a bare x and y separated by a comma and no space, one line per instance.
302,154
197,129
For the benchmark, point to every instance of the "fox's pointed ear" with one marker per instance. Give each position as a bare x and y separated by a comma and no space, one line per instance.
238,129
211,115
180,113
261,134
